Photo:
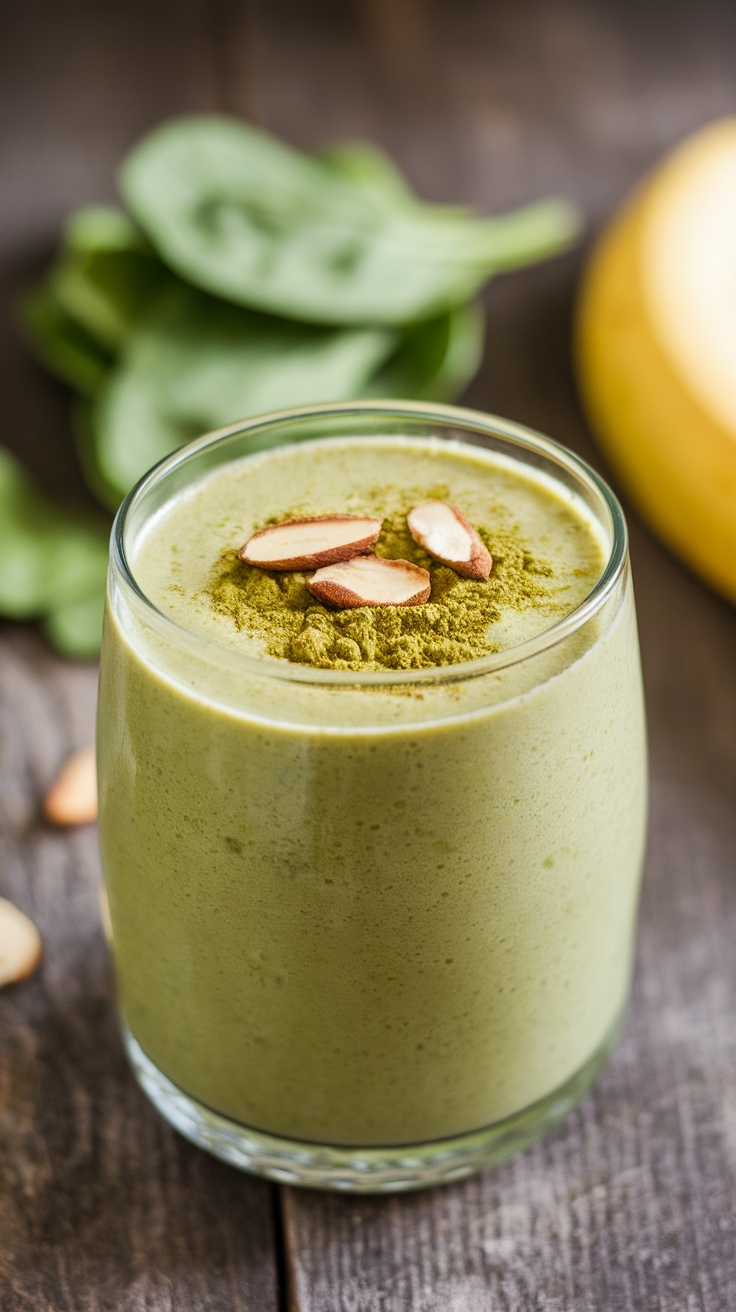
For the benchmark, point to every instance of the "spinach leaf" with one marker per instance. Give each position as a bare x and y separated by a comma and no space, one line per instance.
76,628
196,364
85,443
61,344
435,360
103,228
107,276
245,217
368,166
50,558
248,277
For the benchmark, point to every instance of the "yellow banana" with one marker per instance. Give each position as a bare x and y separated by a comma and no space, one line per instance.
656,351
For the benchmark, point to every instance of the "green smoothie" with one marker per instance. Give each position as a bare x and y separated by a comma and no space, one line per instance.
368,894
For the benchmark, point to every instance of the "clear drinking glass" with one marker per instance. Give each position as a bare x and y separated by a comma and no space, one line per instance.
328,991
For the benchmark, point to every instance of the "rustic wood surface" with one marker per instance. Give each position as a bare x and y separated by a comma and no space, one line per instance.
630,1206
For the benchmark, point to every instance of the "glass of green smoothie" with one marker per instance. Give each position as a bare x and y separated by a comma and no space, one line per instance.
372,865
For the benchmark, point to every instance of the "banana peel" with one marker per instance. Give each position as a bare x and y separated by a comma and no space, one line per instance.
656,351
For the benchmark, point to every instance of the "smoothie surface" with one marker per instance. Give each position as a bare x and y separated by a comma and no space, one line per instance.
547,554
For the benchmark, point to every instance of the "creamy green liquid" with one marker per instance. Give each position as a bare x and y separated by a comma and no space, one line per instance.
370,915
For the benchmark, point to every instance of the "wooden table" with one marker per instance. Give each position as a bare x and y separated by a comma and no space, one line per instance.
630,1204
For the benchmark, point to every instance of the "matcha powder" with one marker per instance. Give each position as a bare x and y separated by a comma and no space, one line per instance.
451,627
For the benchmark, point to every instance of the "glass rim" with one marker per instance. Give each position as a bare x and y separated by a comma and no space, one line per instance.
472,421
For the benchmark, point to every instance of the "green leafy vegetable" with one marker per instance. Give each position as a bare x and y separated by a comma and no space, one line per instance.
197,363
102,228
435,360
85,442
243,216
50,558
62,344
242,277
76,628
108,275
367,166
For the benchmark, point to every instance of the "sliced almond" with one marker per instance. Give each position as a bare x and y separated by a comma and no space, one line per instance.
72,800
309,543
20,944
444,532
371,581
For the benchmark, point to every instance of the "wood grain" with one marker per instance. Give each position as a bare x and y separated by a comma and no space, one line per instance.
629,1207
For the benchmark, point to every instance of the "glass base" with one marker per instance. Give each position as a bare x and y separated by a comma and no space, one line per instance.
360,1170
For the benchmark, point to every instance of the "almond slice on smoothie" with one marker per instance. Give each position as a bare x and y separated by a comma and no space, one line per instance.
309,543
371,581
444,532
20,944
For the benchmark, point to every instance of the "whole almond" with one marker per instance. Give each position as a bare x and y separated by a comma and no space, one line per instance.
72,799
20,944
371,581
310,543
445,533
